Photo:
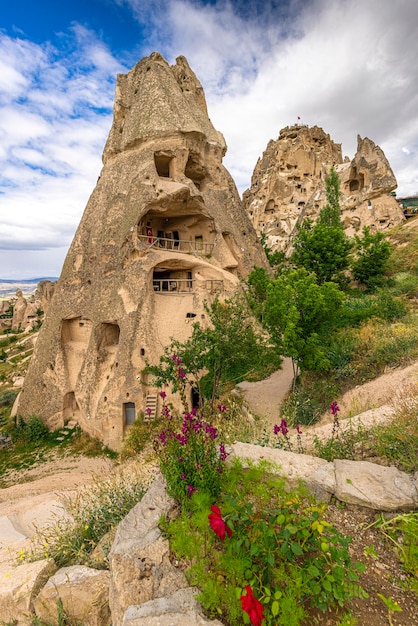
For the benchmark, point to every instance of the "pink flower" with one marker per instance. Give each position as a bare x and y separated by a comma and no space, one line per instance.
163,394
180,373
298,430
252,607
221,408
148,411
217,523
334,408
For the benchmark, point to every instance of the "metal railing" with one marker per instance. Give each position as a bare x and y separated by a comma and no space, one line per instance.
177,245
173,285
184,285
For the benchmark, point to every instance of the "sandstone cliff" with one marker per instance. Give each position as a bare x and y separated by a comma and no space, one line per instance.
163,232
288,185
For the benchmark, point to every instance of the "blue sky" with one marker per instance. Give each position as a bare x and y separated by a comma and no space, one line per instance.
349,66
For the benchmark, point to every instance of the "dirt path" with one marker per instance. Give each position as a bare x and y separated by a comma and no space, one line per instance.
266,396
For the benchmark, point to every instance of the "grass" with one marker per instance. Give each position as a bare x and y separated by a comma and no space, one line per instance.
95,511
24,454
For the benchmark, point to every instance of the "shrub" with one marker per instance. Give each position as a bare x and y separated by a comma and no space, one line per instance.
372,255
279,552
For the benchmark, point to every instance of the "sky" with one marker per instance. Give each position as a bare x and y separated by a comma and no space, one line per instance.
348,66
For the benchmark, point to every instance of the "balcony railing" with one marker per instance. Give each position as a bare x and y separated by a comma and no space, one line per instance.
178,245
184,285
173,285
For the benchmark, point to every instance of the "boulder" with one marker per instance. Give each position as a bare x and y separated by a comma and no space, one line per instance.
317,474
18,588
139,559
374,486
179,609
83,592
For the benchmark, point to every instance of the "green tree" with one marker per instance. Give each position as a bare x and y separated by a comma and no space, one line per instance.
324,248
372,252
330,214
297,311
257,283
226,351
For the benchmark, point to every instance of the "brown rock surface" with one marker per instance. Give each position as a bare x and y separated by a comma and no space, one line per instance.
163,232
288,185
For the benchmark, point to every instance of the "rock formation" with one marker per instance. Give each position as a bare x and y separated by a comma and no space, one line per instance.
164,232
288,185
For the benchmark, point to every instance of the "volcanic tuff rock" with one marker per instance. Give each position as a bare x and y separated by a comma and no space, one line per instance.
288,185
163,232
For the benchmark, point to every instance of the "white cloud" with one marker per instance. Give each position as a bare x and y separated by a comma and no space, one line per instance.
347,65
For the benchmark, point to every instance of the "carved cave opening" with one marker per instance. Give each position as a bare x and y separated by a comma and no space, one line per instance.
76,329
180,228
129,413
107,334
164,164
70,409
195,170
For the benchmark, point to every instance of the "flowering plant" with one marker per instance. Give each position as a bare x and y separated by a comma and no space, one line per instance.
191,457
217,523
252,607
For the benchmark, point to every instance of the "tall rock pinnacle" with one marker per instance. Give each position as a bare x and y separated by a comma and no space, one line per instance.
164,232
288,185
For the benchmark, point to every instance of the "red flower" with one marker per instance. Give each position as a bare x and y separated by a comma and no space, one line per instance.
217,524
252,607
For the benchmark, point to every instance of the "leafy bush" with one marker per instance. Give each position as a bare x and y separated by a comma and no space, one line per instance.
389,308
372,255
7,397
280,549
191,458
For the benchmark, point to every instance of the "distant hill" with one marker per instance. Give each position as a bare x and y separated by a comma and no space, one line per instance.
26,285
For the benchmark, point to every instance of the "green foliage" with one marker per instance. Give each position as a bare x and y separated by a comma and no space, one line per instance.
324,248
330,214
139,436
95,511
282,547
372,252
7,397
30,431
257,282
297,310
190,456
274,258
402,532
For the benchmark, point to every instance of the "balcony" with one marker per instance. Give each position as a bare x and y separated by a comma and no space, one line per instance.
184,285
173,285
178,245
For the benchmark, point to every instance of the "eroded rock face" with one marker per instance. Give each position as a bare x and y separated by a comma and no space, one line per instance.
163,232
288,185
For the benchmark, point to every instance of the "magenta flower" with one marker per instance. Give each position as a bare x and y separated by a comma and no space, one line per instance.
334,408
163,394
221,408
181,373
183,476
148,411
298,430
191,489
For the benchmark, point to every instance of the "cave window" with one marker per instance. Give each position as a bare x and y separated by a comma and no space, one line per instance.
354,185
163,164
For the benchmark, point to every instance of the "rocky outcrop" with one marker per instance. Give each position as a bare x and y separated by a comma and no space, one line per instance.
353,482
29,312
288,185
83,593
163,232
139,559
